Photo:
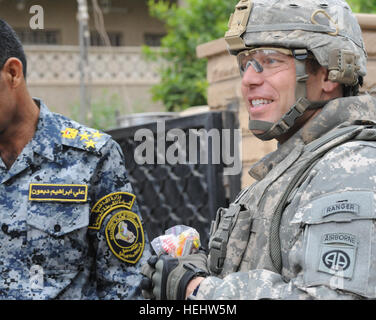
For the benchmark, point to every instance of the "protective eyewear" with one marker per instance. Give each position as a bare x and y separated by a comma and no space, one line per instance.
266,60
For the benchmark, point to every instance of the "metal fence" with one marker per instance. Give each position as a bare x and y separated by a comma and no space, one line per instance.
185,193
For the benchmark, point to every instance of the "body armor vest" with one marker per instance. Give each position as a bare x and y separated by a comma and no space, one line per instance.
246,235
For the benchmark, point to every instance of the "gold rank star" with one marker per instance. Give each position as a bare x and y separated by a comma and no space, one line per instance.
97,134
85,136
90,143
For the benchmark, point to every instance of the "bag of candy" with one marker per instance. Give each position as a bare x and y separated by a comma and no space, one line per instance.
178,241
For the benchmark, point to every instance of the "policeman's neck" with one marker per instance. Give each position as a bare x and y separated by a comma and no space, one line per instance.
20,129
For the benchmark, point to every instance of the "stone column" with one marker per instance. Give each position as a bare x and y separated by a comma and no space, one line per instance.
224,88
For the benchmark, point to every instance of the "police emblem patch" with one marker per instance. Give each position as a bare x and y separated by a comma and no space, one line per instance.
125,236
107,204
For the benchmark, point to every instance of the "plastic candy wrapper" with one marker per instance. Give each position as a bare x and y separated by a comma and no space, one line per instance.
177,241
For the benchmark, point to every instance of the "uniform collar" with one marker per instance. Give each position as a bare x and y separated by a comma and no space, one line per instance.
341,111
47,138
44,142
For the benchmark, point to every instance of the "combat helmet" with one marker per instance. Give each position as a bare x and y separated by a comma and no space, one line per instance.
326,29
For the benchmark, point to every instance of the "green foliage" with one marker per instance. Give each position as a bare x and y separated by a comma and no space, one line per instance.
363,6
104,111
183,77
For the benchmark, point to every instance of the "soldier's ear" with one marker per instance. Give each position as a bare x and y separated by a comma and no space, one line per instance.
328,86
331,87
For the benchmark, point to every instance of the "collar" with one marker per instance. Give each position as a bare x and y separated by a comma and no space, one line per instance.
44,143
341,111
47,138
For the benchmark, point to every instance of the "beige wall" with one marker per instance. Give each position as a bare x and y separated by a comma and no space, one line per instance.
119,71
53,75
224,86
131,17
129,99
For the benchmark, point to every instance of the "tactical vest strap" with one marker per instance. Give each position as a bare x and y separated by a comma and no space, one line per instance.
217,254
224,223
218,244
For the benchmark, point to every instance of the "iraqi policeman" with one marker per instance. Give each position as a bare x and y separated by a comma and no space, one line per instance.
305,228
70,224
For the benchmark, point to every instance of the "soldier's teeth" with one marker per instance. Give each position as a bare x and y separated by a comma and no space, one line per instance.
258,102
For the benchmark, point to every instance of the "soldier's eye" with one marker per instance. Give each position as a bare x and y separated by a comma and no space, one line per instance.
270,61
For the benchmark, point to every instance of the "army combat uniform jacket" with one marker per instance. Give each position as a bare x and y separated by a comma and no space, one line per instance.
306,228
70,225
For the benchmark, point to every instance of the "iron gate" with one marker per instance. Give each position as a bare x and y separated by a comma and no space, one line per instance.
185,193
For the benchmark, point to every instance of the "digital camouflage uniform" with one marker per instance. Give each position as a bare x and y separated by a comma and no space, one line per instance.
70,225
327,230
305,229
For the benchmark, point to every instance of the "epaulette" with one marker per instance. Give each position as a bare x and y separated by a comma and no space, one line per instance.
79,136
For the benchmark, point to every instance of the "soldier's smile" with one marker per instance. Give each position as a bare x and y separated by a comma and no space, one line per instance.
268,97
257,106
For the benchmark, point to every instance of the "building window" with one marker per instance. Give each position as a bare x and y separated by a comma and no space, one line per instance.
153,40
28,36
115,39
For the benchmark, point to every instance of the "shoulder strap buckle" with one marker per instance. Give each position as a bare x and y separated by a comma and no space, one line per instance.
217,254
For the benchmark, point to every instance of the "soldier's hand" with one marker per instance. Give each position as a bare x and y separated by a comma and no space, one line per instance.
147,270
167,277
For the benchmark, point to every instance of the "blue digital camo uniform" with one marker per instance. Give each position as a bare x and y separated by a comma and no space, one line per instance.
70,226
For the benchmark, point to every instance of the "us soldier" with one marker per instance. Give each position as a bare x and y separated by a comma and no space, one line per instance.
305,228
64,200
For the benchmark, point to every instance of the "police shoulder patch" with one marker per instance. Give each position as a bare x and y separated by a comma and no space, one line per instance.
107,204
125,236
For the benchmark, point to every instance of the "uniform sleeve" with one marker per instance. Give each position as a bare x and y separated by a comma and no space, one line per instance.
334,254
120,243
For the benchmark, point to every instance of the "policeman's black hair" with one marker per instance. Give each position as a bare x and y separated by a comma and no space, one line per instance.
11,46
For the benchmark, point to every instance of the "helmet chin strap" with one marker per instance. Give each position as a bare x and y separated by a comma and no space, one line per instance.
272,130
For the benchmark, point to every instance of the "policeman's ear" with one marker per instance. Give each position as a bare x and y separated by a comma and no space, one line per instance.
13,72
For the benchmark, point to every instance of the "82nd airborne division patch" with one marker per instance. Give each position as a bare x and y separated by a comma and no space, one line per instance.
125,236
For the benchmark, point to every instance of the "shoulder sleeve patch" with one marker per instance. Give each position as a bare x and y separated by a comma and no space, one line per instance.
107,204
337,242
340,206
125,236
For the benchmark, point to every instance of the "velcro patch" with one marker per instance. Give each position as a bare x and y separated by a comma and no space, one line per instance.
107,204
125,236
58,192
338,254
342,206
339,238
